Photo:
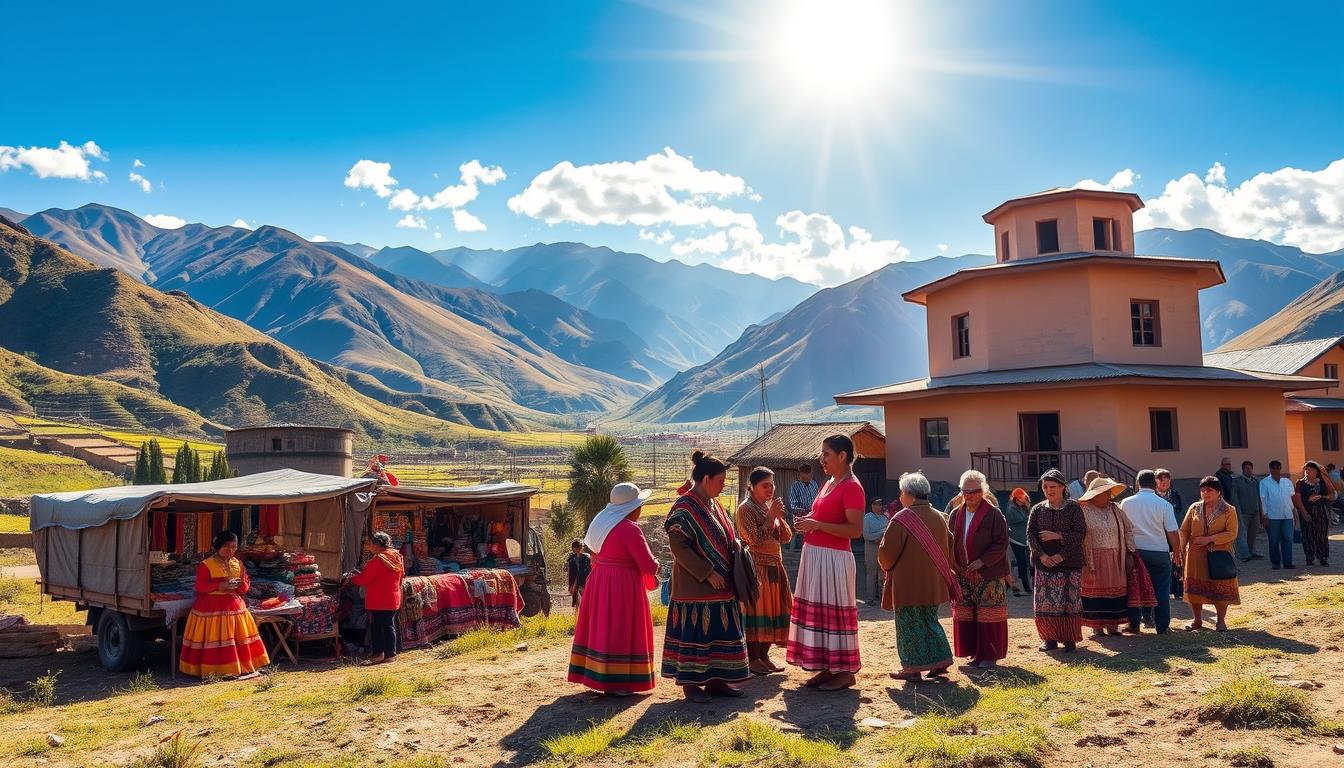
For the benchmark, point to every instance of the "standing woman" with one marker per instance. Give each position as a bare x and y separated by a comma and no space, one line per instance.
824,627
1055,532
1108,555
381,579
613,633
1210,526
1017,514
760,523
221,637
705,649
1317,493
980,561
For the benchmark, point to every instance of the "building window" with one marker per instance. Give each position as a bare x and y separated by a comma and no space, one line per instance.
1332,371
1101,235
1329,437
961,336
1144,325
1162,426
935,440
1047,236
275,443
1233,424
1004,252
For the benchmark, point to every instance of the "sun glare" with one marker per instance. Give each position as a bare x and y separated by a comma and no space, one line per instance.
836,51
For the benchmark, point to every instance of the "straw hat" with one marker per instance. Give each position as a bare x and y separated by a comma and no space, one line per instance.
1102,485
625,498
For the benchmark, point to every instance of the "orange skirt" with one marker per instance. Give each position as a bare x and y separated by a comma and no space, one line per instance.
221,639
767,620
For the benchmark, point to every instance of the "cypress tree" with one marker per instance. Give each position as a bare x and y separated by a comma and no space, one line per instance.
156,473
181,465
141,476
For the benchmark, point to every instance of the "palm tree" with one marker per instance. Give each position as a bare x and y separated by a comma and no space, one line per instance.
594,469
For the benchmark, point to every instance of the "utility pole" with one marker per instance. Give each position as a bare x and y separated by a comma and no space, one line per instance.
655,460
763,419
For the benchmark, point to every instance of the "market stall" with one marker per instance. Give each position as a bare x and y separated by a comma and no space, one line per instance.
129,553
464,553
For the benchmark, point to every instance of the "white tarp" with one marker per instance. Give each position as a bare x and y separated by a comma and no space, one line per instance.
465,494
90,509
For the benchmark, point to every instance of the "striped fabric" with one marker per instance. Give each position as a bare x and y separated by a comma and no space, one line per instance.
221,639
824,628
704,642
610,672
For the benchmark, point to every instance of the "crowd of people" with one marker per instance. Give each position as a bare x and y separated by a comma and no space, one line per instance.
1088,559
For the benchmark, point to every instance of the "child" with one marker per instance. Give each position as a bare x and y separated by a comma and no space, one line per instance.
577,567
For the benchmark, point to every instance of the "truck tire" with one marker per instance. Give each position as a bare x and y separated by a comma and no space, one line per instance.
119,646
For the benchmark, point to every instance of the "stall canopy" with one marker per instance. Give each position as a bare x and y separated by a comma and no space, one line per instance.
90,509
466,494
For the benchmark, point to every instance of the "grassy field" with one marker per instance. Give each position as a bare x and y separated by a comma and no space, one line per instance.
27,472
169,445
22,597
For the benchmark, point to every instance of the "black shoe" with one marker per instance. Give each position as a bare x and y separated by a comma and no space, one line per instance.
1070,647
1257,557
1049,645
1245,559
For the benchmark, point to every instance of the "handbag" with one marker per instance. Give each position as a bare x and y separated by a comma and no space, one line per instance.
1220,563
746,584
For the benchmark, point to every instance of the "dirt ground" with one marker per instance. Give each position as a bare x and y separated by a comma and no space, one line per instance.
1134,699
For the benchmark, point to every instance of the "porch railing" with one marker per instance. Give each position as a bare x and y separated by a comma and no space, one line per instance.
1020,467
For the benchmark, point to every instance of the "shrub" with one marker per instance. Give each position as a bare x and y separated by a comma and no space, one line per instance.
1257,702
44,689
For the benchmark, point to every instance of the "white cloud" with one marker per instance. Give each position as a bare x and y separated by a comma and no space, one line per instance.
661,189
412,222
241,223
137,163
818,252
1119,182
165,221
659,238
713,245
453,196
465,222
438,235
319,239
142,182
942,248
62,162
367,174
1291,206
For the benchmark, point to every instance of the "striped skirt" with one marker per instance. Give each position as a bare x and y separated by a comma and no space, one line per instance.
1105,590
980,618
704,642
824,625
767,620
221,639
1057,600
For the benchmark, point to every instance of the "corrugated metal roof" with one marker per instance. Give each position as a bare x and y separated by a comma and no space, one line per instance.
1274,358
787,444
1301,404
1082,372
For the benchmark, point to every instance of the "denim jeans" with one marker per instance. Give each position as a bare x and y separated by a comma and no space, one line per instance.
1159,571
1280,541
1246,534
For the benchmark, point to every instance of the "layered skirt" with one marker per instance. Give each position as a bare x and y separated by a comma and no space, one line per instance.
980,618
767,620
1057,601
704,642
1105,590
921,642
613,634
824,624
221,639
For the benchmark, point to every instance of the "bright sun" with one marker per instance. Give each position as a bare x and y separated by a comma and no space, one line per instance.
836,51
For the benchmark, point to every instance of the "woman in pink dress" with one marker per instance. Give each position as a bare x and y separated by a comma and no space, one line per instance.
613,635
824,626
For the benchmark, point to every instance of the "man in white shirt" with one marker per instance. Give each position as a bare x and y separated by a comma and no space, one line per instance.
1278,515
1157,539
874,525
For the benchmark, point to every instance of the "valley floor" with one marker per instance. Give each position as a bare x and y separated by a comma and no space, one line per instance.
1120,700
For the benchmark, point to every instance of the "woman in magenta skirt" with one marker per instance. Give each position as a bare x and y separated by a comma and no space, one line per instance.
613,635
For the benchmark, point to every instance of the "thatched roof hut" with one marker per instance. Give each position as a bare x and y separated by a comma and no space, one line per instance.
787,446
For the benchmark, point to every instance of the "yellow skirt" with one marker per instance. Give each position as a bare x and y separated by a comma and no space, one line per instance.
221,640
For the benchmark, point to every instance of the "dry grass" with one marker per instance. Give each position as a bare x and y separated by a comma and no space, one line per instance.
1331,598
22,597
748,742
1257,702
534,628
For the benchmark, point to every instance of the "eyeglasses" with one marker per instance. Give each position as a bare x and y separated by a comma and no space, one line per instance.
971,491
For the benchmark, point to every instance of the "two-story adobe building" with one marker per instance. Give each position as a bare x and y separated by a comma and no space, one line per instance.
1071,351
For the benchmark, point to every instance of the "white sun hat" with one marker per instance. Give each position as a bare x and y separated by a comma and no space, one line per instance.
625,498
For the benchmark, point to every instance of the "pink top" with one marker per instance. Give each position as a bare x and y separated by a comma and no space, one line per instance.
830,507
625,547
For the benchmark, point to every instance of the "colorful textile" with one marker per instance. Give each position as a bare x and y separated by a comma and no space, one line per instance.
921,642
613,633
824,624
909,520
1140,586
1316,521
1105,590
318,618
980,618
158,539
186,533
268,520
221,637
705,643
706,529
434,607
203,535
1057,599
767,619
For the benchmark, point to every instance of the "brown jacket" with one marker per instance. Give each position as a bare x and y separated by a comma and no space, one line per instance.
912,578
988,544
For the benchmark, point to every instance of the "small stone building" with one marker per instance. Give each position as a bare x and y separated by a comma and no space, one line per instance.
322,450
787,446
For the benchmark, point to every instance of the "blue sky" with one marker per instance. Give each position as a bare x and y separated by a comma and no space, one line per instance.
816,145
